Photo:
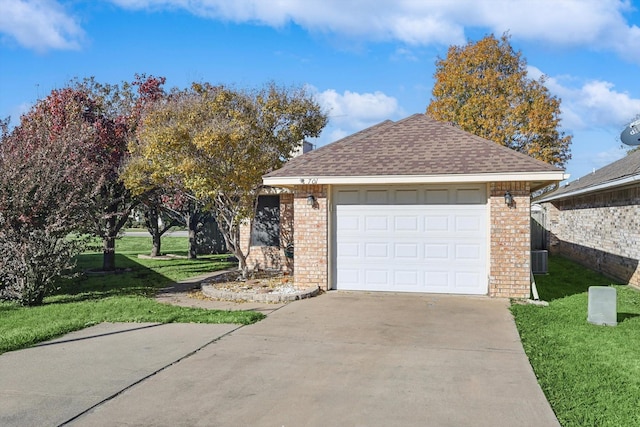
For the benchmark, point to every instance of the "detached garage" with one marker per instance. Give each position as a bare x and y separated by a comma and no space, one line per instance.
413,206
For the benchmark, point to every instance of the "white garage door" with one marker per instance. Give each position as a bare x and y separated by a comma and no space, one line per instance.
411,240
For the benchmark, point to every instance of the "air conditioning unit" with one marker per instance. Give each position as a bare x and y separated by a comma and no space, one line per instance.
539,262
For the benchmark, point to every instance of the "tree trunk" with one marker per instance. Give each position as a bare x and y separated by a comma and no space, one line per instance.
32,293
109,253
109,246
156,242
151,221
193,254
235,247
192,225
242,264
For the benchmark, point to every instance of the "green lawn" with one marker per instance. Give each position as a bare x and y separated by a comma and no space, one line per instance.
123,297
590,374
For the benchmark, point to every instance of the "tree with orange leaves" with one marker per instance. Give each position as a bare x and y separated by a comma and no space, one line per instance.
484,88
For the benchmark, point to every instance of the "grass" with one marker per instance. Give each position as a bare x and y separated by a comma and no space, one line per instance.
124,297
590,374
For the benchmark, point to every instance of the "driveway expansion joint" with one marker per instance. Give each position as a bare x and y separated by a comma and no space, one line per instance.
146,377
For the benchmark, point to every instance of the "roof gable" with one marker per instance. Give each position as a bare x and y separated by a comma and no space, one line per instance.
414,146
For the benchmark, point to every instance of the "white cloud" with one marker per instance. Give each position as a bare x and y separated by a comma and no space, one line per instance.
592,23
606,105
357,109
595,24
592,104
350,111
39,24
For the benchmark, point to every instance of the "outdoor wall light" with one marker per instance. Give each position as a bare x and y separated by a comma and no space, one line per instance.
508,199
311,200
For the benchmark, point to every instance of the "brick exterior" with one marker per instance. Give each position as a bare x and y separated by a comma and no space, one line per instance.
310,237
271,257
599,230
509,256
509,259
509,262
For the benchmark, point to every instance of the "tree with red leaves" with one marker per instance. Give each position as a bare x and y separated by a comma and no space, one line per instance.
115,114
47,181
59,173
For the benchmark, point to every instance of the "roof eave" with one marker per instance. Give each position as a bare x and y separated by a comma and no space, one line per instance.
594,188
540,178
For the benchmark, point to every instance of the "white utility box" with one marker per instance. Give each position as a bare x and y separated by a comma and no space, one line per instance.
603,308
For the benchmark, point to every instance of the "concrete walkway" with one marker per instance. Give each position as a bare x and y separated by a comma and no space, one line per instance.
352,359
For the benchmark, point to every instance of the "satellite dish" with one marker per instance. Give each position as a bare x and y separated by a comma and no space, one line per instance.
631,134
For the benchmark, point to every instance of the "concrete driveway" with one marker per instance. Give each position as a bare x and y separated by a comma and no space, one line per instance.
343,359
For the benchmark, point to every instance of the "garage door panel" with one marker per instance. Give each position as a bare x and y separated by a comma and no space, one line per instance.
466,280
348,223
467,223
348,197
437,197
406,223
349,278
376,250
406,197
437,280
467,252
376,197
469,196
376,223
428,247
348,250
436,252
406,278
375,277
406,251
436,223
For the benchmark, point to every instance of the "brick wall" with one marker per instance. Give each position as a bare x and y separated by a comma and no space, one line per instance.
510,263
310,237
600,231
510,266
272,257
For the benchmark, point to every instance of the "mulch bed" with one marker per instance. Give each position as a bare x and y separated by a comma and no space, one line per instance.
262,286
261,282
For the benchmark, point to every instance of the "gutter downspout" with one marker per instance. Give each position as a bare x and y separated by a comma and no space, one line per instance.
534,289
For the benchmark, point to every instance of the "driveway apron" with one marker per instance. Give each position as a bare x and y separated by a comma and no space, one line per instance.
349,359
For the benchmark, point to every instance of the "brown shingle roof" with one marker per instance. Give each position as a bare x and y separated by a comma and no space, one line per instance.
628,166
416,145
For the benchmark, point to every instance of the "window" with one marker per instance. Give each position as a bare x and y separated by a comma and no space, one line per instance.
266,225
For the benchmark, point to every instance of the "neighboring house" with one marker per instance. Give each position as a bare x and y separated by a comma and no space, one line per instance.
209,238
595,220
413,206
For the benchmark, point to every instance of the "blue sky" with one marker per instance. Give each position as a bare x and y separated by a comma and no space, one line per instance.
365,61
